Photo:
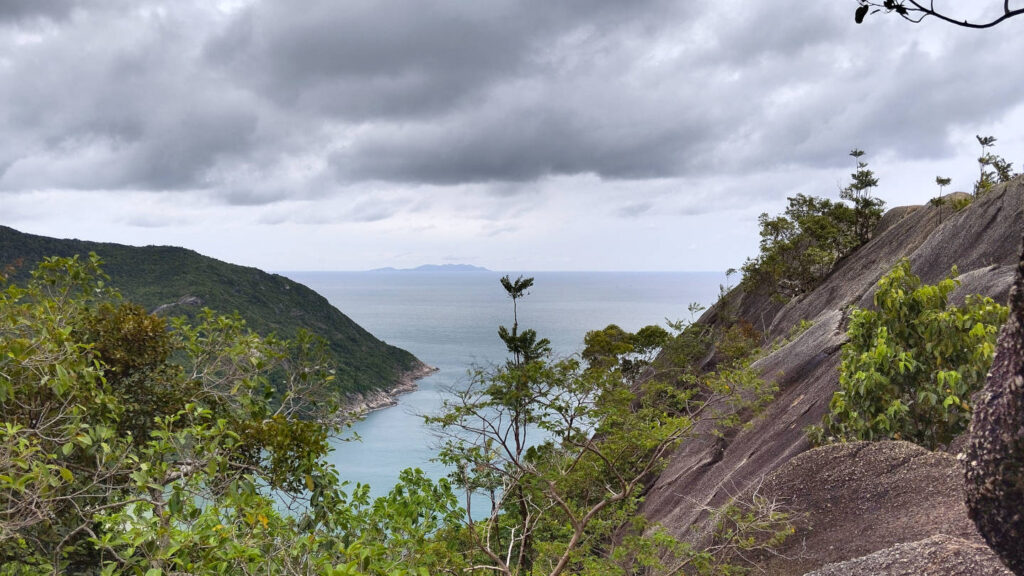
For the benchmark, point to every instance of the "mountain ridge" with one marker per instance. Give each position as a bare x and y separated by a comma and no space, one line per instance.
178,281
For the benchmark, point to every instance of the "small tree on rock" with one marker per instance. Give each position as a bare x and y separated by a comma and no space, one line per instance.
866,208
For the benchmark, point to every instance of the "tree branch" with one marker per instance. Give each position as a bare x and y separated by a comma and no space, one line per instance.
916,12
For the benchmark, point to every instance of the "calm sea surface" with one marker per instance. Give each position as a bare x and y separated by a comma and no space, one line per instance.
450,320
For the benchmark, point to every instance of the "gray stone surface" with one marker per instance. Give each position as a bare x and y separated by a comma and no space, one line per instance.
935,556
849,500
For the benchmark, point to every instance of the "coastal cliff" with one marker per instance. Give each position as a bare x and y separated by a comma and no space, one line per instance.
851,501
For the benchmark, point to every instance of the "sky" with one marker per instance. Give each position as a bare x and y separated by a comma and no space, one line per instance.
511,134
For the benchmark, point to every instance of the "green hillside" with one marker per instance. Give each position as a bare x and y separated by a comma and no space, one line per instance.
180,282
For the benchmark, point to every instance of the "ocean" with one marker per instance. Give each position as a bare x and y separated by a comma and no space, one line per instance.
450,320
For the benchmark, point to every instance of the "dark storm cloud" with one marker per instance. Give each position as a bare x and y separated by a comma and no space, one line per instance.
518,145
21,10
905,102
270,101
448,92
113,100
395,58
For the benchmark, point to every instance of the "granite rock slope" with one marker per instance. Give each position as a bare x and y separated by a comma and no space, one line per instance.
980,240
851,500
935,556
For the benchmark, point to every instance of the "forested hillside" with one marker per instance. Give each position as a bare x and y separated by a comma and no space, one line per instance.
179,282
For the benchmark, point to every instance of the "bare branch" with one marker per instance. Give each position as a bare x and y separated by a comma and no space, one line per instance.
914,11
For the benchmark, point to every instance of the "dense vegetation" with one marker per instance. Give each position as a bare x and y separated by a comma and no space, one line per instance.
130,445
912,364
162,276
137,446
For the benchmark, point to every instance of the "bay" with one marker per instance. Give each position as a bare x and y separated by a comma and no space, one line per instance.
449,320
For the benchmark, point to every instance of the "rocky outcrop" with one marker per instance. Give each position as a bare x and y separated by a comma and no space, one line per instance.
706,472
358,405
192,301
936,556
994,455
850,500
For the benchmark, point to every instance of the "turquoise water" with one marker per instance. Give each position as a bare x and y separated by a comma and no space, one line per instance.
450,320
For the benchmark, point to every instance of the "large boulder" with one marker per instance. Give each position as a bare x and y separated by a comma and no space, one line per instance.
995,450
850,500
935,556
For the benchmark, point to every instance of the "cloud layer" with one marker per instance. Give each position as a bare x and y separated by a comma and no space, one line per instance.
421,112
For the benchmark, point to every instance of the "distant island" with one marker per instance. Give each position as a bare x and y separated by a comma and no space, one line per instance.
435,268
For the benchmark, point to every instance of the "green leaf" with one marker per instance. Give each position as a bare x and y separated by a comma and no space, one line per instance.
174,504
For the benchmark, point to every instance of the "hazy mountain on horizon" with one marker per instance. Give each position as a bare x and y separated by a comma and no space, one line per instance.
435,268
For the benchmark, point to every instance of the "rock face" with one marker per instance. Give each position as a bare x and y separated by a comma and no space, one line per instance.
850,500
361,404
935,556
980,240
995,450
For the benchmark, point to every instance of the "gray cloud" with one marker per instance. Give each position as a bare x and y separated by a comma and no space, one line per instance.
153,221
369,59
266,102
113,101
517,145
18,11
634,209
373,210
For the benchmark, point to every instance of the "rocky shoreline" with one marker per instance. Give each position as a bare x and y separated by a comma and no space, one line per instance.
359,405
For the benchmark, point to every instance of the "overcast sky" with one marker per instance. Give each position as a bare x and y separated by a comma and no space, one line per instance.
516,135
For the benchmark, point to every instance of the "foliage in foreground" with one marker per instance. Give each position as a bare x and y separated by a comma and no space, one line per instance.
560,451
130,446
910,367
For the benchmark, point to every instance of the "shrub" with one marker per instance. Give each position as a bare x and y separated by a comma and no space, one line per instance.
910,366
962,202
